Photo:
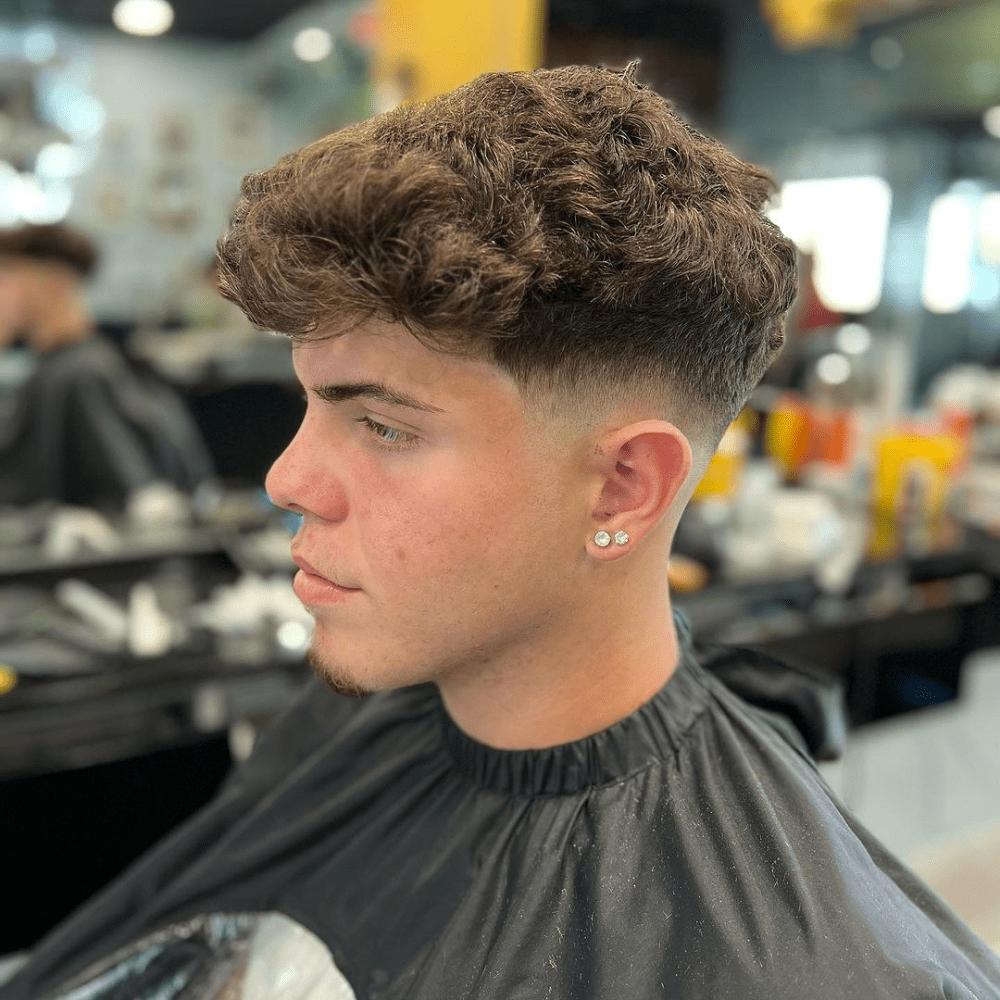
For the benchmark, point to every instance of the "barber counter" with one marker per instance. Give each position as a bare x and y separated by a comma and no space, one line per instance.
131,679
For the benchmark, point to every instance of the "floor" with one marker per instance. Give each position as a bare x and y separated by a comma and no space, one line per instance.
927,784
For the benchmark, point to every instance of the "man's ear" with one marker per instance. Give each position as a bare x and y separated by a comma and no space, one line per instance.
642,468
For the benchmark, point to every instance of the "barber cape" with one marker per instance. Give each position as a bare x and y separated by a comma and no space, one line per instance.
89,427
370,849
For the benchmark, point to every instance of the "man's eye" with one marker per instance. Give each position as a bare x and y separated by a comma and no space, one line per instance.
390,435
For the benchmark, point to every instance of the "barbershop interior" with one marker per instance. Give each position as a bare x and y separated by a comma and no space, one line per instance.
849,522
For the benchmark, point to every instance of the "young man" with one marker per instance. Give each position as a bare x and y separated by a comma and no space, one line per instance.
524,312
87,427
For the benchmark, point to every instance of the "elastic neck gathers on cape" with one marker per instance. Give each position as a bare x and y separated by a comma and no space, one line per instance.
651,733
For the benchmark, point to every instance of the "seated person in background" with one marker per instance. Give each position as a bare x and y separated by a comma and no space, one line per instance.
523,315
87,427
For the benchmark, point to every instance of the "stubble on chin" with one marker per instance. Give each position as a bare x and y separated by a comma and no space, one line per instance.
335,681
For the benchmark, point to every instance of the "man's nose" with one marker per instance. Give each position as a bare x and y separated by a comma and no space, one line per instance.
278,483
305,477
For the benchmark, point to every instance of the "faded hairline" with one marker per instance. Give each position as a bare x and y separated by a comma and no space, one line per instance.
589,403
555,400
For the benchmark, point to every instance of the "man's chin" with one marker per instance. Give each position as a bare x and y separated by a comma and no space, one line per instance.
335,680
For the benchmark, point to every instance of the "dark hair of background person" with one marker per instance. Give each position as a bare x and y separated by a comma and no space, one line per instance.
564,223
51,243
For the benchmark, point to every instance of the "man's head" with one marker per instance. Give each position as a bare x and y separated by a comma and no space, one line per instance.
42,270
518,309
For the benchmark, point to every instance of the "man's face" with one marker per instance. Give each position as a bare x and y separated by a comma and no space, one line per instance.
443,529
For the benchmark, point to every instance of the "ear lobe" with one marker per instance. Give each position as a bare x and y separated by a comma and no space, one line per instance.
651,461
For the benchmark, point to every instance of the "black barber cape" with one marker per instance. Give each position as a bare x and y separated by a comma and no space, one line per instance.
89,427
369,849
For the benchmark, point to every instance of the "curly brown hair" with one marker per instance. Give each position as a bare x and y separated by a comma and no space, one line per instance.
564,223
54,242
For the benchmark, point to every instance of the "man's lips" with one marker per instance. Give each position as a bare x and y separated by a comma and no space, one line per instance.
313,588
307,567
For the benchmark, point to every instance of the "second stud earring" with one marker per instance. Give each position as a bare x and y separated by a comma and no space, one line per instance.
621,538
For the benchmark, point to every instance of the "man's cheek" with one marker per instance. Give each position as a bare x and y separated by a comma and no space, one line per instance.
392,535
448,549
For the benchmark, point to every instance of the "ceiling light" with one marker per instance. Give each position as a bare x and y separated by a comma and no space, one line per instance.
989,229
833,369
39,45
312,44
37,203
991,121
853,338
143,17
844,223
80,114
60,159
951,246
985,291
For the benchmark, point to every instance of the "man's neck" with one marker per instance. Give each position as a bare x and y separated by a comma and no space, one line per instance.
596,679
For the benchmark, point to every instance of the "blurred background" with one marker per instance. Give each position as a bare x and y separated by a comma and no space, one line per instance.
849,524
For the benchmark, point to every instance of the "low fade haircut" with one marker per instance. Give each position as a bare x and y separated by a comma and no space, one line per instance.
565,224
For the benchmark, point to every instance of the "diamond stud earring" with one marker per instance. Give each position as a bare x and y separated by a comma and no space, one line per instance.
602,539
621,538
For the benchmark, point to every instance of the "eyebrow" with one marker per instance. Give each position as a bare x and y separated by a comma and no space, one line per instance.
378,391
